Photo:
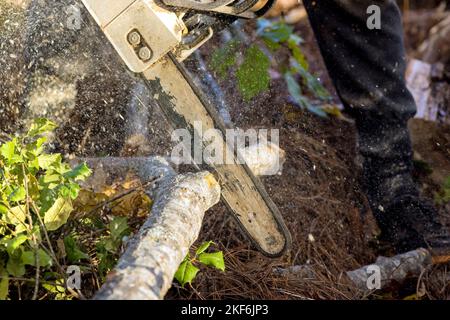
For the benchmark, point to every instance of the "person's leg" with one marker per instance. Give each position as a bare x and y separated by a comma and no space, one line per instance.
367,67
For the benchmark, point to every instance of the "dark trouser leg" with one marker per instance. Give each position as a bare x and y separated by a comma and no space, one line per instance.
367,68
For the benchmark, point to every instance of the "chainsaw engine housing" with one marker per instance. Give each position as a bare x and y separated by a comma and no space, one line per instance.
144,31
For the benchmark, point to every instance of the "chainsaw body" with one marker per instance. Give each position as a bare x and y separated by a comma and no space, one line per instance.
144,31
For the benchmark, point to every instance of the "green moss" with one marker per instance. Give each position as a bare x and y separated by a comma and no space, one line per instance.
253,74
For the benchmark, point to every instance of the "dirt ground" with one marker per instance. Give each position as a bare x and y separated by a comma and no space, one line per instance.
318,191
320,198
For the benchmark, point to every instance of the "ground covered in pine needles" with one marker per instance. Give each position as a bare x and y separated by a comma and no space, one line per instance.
318,191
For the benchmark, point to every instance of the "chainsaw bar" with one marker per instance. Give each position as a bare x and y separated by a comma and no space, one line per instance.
183,104
151,40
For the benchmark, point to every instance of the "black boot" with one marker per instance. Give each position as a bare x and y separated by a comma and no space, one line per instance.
415,224
406,220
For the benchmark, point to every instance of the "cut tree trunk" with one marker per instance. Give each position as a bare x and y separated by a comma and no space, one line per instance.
146,269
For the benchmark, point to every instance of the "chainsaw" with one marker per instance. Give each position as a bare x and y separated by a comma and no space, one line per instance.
153,37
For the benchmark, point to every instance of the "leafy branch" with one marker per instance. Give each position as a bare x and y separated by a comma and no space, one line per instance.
278,35
252,73
188,269
36,194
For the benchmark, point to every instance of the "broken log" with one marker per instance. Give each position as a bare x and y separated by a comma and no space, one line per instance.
146,269
390,270
384,272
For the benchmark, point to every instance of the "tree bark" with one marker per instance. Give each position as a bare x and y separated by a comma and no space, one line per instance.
389,270
394,269
146,269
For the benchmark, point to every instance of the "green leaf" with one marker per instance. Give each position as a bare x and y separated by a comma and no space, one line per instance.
298,54
295,90
63,191
68,190
41,125
28,258
74,254
46,161
20,228
203,247
18,194
296,93
4,282
213,260
57,288
111,245
277,32
16,215
58,214
74,190
14,243
253,75
51,177
80,172
186,273
33,187
311,82
118,227
47,198
4,286
3,209
107,261
34,149
15,267
7,150
61,167
39,143
273,46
